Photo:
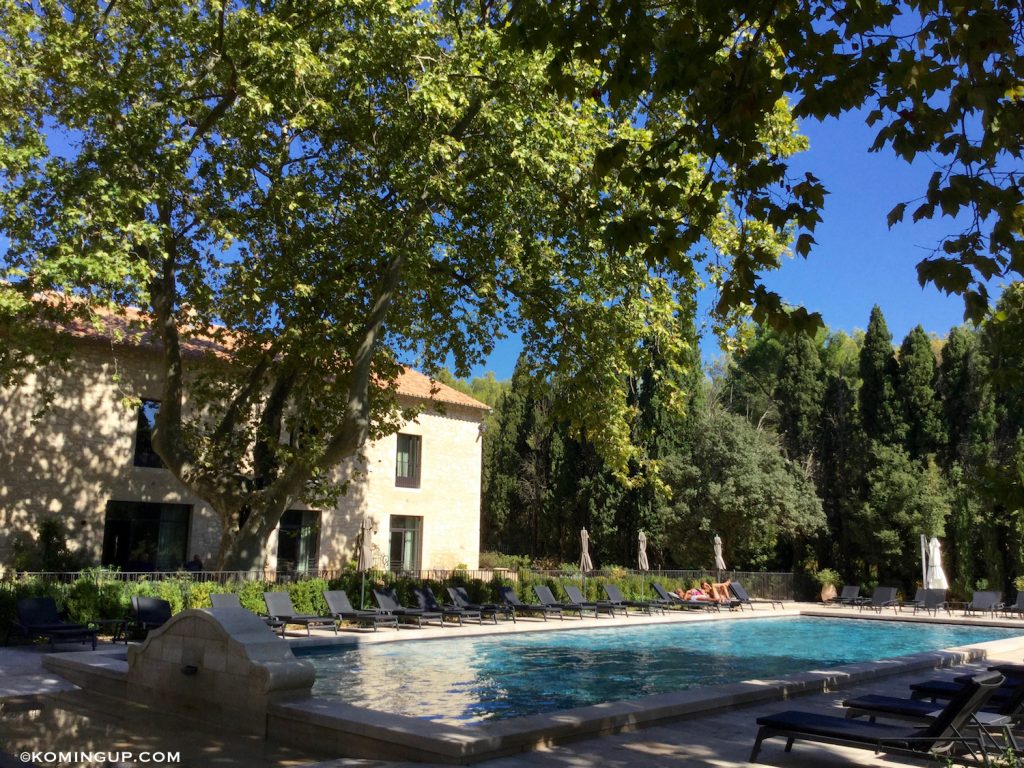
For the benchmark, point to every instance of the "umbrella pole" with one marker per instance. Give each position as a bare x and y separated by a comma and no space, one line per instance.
362,593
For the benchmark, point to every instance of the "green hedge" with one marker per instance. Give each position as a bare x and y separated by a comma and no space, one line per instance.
98,595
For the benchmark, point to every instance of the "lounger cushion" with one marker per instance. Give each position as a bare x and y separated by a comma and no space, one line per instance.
832,727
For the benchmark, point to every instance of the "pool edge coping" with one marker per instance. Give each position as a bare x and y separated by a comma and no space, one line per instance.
356,732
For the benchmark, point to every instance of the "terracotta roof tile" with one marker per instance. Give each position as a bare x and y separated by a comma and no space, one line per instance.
414,384
131,329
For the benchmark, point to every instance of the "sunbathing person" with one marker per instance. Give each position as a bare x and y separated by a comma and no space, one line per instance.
719,591
693,594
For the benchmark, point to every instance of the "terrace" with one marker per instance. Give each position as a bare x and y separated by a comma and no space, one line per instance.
718,728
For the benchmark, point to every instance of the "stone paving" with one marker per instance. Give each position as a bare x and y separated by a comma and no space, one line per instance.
73,720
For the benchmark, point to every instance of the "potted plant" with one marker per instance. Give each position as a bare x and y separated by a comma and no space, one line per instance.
830,581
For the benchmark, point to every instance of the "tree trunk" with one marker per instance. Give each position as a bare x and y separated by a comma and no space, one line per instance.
246,548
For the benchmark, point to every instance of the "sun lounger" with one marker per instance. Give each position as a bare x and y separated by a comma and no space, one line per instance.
881,597
387,601
460,597
466,612
745,599
616,598
38,617
942,689
149,613
517,606
1017,609
547,598
945,735
340,607
849,596
1010,705
669,600
598,607
984,601
427,601
932,601
230,600
280,608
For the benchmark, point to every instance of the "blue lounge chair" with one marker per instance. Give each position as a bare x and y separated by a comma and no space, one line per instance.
38,617
280,608
517,606
340,607
945,735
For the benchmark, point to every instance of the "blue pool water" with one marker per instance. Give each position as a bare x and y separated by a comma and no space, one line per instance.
465,680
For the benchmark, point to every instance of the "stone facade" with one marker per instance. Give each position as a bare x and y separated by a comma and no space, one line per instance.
70,459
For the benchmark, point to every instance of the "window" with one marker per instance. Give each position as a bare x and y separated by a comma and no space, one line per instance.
145,456
138,536
407,461
405,542
298,541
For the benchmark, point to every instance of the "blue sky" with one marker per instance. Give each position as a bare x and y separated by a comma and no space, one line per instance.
858,261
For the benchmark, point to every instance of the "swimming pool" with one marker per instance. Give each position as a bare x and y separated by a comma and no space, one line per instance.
474,679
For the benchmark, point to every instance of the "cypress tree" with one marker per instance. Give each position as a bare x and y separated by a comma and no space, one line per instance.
922,412
879,407
967,405
798,396
840,471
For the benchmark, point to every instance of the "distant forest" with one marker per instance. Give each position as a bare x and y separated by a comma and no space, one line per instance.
802,453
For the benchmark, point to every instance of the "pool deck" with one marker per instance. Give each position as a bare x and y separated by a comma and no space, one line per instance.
705,727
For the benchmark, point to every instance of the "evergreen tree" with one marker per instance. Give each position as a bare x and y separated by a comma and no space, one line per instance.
1003,344
840,471
733,480
903,499
508,464
967,406
921,409
879,407
798,396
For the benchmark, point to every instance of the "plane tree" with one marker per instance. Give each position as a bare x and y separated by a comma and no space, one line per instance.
938,80
320,193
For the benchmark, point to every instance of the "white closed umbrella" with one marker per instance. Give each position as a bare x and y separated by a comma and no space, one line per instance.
586,564
924,561
365,561
936,577
642,553
719,560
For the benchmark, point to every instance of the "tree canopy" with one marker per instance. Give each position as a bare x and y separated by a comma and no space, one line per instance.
332,190
936,78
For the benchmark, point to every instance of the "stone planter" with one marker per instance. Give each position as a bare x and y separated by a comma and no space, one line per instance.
828,592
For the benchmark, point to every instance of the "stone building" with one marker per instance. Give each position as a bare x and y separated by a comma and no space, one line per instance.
86,462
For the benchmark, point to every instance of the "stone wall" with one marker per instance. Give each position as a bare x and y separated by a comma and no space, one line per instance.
66,461
222,665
